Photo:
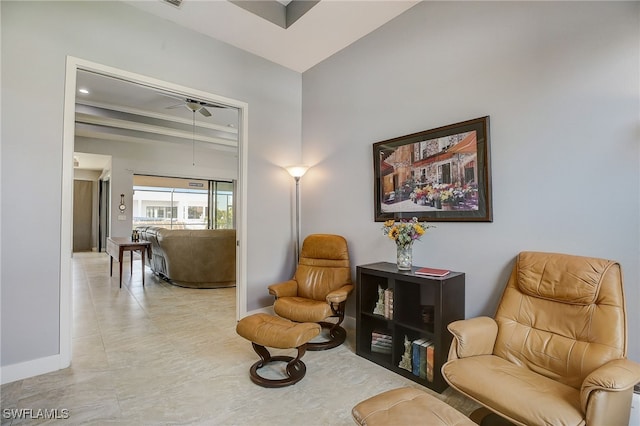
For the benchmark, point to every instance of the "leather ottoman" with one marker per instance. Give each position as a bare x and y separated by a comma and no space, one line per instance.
407,406
275,332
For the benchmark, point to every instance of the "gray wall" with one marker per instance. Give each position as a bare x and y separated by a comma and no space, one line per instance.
36,38
560,81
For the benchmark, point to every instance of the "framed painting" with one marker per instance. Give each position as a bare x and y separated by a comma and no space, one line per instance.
441,174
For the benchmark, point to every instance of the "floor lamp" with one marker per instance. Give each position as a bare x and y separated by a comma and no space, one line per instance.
297,172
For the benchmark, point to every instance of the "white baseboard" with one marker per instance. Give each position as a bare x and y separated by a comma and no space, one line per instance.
24,370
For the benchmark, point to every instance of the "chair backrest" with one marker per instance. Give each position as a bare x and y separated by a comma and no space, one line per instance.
323,266
562,316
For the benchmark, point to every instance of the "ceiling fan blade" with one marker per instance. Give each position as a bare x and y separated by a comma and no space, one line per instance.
174,106
205,112
169,95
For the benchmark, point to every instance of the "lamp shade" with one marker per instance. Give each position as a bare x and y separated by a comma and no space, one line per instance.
297,171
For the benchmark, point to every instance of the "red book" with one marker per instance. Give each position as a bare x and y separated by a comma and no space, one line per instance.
433,272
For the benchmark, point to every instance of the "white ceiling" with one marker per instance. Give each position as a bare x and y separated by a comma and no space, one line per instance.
328,27
115,110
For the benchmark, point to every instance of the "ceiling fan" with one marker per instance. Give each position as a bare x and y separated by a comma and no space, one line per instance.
194,106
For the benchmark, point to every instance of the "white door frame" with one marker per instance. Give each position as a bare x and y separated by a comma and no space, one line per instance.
66,227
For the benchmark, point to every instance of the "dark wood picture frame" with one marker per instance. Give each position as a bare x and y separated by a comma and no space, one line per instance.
441,174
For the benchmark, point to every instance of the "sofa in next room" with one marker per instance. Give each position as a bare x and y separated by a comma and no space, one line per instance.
197,258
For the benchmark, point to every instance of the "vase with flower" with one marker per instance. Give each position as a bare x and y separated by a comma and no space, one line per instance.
404,233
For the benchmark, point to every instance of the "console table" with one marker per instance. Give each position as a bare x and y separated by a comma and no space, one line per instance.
116,246
420,309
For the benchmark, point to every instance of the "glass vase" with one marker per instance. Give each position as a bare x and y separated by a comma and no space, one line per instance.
405,257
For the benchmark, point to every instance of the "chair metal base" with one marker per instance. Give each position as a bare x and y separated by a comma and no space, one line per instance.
337,336
295,368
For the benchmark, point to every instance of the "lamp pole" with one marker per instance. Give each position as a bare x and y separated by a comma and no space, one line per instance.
297,172
297,178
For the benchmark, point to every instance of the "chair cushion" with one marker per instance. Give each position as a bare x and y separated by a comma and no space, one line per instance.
563,278
325,250
267,330
515,392
300,309
323,266
407,406
550,323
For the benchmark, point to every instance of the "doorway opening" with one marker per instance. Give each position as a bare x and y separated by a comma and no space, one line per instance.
76,65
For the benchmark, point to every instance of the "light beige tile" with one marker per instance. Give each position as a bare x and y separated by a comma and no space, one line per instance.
162,354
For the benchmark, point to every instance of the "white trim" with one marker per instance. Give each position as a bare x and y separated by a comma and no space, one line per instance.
155,142
150,128
24,370
74,64
165,117
66,216
241,216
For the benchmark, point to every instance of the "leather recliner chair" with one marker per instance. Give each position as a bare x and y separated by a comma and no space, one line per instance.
555,354
319,288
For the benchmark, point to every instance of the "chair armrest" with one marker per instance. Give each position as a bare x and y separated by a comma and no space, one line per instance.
614,376
284,289
340,295
472,337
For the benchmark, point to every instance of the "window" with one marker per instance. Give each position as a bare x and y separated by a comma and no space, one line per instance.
195,212
160,212
222,200
177,203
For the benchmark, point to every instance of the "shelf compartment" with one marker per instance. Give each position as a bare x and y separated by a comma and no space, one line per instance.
417,302
423,307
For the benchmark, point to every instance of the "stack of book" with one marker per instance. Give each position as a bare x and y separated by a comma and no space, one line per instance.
422,358
381,342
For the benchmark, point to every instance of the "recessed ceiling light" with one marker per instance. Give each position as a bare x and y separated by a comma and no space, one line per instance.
83,91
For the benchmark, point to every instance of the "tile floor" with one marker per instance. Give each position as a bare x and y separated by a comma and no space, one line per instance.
167,355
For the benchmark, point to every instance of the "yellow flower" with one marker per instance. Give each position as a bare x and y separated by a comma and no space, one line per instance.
389,223
393,233
419,229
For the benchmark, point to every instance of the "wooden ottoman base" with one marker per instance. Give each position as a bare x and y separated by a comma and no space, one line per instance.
407,406
267,330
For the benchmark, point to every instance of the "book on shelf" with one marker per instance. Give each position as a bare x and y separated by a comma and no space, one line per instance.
423,358
381,342
432,272
415,356
419,359
388,303
429,366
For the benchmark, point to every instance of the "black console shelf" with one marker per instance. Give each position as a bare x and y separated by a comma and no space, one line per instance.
441,297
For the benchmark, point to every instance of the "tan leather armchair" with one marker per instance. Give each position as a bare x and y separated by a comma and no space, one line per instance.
555,353
319,288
